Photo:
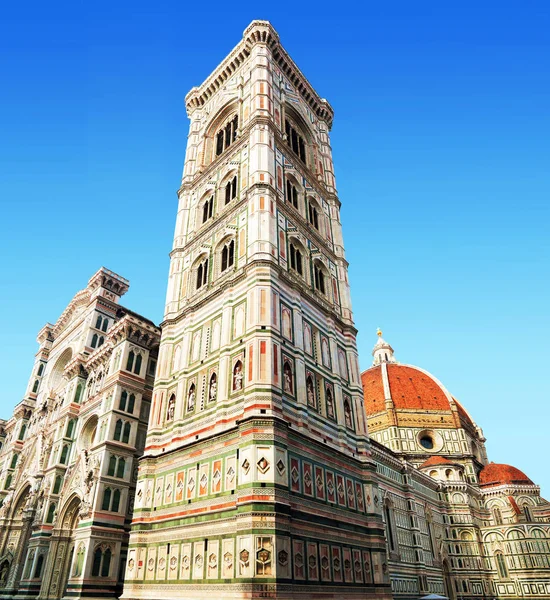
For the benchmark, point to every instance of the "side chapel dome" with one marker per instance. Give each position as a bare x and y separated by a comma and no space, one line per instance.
495,474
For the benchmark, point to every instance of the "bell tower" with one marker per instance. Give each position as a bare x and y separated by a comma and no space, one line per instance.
257,479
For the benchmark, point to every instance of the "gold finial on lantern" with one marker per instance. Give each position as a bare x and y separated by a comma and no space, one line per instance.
379,332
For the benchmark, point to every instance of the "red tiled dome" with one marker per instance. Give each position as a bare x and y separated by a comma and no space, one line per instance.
434,461
496,474
410,388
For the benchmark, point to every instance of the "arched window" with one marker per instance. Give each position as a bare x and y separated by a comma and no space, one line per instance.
106,499
288,377
14,461
39,565
130,361
78,393
100,341
208,209
202,273
501,565
70,428
112,466
40,369
238,376
295,141
291,193
28,566
313,215
106,564
118,430
227,135
96,565
497,516
116,501
231,190
319,279
348,414
8,482
22,431
295,259
228,255
120,467
105,324
57,484
64,454
123,398
126,433
35,386
137,367
51,512
131,403
98,322
95,337
527,513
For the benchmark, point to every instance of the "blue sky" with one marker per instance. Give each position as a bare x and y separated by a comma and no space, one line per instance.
441,149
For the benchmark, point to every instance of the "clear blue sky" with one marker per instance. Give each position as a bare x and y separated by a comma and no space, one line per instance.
441,147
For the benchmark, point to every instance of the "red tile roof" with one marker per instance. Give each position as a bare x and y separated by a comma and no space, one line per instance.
410,388
497,474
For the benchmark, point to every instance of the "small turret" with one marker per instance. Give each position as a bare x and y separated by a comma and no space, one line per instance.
382,351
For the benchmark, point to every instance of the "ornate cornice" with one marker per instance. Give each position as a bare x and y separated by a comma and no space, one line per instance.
259,32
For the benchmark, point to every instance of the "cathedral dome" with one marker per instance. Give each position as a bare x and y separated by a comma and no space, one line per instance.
410,388
495,474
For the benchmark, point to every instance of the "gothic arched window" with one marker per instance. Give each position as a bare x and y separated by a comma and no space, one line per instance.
105,324
39,565
78,393
57,484
291,193
313,215
112,466
95,337
118,430
123,399
497,516
120,467
40,369
231,190
137,367
208,209
130,361
126,433
227,135
35,386
116,501
202,273
319,278
106,499
228,255
295,141
296,259
98,322
390,532
131,403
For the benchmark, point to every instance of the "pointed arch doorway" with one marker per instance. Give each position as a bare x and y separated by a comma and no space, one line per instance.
60,557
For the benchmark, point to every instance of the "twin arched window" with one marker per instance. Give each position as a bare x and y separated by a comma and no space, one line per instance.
102,562
134,362
313,215
97,340
295,259
127,402
319,278
291,193
227,135
228,255
102,323
122,431
208,209
202,273
111,500
497,516
231,190
295,141
501,565
117,465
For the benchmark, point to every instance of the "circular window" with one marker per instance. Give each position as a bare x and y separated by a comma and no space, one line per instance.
427,442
